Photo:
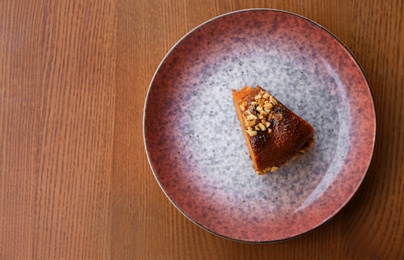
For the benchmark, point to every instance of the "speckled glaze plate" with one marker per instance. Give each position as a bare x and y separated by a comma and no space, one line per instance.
194,141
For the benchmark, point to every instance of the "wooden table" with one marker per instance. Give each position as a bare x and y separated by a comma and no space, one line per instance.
74,179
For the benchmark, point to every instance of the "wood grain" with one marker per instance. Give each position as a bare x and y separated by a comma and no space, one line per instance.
74,178
57,114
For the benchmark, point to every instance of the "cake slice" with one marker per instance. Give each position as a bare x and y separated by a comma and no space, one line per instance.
273,133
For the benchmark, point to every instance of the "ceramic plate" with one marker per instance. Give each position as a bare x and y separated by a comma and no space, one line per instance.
194,141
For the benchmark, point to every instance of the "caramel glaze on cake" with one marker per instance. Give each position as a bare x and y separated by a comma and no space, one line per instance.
273,133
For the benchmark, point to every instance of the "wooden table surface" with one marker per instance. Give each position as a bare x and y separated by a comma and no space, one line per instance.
74,178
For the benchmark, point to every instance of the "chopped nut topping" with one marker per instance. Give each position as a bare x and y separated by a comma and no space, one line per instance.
249,123
278,117
251,117
261,102
268,105
274,168
303,150
259,113
273,100
251,132
261,126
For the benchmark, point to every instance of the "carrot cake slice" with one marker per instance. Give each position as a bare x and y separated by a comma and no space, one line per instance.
273,133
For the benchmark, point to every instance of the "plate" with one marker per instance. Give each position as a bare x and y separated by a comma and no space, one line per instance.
194,142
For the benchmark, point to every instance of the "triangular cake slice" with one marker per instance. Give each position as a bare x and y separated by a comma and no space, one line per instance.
273,133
